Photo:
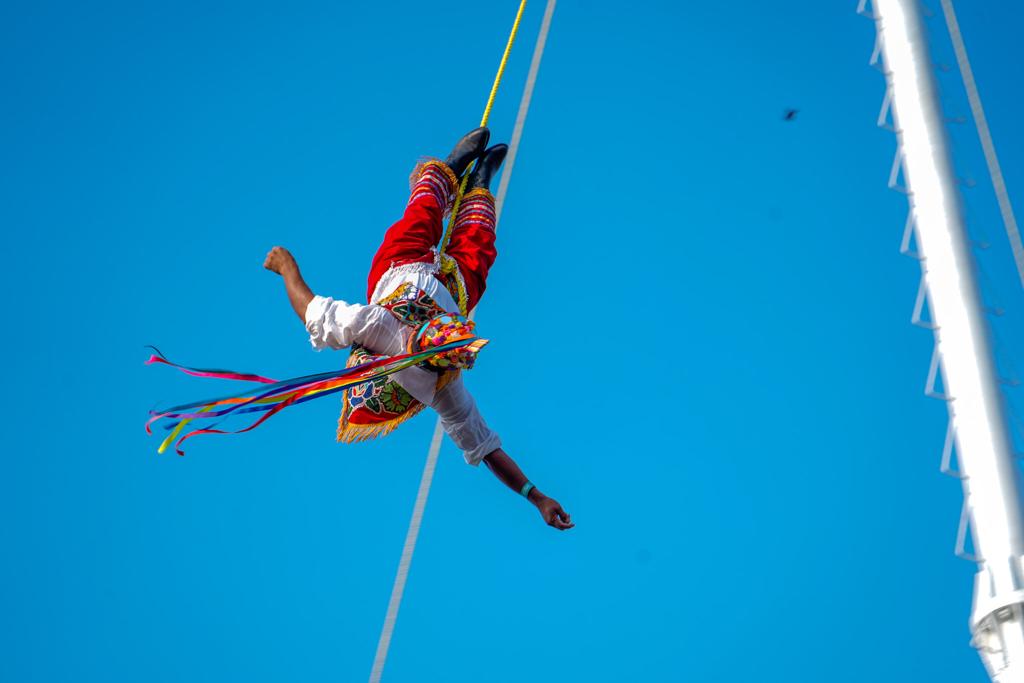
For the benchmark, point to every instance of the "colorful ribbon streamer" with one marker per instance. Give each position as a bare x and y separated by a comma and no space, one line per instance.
274,396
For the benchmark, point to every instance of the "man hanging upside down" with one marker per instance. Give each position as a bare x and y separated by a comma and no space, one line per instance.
413,306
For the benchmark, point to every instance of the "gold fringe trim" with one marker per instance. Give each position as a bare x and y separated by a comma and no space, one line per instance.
427,162
355,433
478,192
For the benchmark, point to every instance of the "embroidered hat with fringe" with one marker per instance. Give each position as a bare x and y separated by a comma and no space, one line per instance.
447,329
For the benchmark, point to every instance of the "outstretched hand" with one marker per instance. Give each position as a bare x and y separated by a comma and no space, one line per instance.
279,260
553,513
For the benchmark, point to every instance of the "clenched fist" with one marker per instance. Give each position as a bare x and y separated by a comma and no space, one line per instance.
279,260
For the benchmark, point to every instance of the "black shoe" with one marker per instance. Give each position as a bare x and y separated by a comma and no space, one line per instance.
486,167
467,149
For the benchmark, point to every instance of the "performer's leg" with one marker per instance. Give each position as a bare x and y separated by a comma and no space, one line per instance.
472,241
472,244
420,228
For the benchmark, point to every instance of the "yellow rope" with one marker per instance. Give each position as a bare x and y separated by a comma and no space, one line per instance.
448,264
504,61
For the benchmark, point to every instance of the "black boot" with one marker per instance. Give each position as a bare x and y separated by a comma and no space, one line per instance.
467,149
486,167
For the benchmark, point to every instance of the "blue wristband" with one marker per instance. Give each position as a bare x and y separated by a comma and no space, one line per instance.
525,491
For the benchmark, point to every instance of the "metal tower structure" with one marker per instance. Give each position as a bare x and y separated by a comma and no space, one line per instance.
963,357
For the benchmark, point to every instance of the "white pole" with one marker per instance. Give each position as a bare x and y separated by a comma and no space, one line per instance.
987,467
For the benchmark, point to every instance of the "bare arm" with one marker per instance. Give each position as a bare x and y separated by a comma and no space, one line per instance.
506,469
280,261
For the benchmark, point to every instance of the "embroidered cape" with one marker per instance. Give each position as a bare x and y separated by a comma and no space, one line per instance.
376,408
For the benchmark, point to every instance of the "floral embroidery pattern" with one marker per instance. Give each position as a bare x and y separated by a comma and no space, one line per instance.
411,306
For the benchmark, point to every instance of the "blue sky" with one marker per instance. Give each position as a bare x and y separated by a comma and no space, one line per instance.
701,346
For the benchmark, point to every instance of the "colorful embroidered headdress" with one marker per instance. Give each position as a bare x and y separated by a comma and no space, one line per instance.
446,329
